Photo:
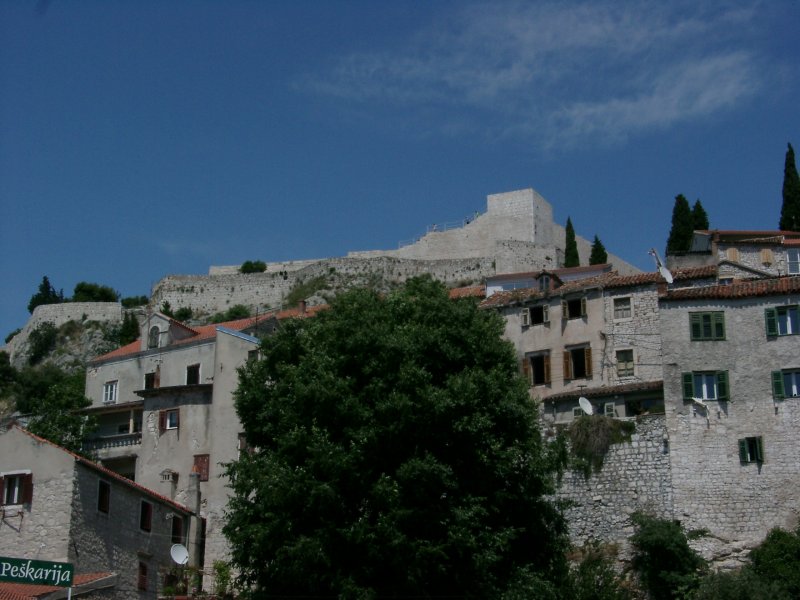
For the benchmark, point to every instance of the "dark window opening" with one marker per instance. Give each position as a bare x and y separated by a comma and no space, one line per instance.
540,369
104,497
146,516
192,374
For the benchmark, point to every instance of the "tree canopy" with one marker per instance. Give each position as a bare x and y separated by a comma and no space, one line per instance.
395,453
681,232
599,256
93,292
790,209
46,294
699,216
571,258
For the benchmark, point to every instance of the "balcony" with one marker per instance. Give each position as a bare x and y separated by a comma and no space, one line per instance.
113,441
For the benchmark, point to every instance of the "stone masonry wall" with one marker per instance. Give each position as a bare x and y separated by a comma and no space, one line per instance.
635,477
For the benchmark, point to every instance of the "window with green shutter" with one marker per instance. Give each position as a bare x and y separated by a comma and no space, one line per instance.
751,450
786,384
705,385
782,320
708,325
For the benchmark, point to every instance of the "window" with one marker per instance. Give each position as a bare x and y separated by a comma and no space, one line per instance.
767,257
782,320
537,368
751,449
535,315
786,384
141,580
793,261
242,445
573,309
168,419
177,529
610,409
201,466
152,337
577,411
104,496
578,363
622,308
544,283
732,254
110,390
252,355
193,374
705,385
151,380
16,488
146,516
707,325
624,363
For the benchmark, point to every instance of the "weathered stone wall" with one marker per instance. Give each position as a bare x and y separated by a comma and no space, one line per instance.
635,477
737,502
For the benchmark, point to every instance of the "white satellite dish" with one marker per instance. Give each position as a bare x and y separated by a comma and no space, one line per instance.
179,554
586,405
661,268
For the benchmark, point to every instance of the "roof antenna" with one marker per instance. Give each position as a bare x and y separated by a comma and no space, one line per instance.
661,268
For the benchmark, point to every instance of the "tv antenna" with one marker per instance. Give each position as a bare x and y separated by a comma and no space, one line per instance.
179,554
586,406
661,268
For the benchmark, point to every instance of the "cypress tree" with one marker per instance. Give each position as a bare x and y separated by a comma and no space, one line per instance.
790,210
680,235
571,258
599,255
699,216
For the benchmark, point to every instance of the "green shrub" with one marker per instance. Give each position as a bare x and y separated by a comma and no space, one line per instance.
129,330
662,556
166,308
237,311
134,301
12,334
744,584
778,559
303,290
590,438
92,292
253,266
184,313
41,341
594,578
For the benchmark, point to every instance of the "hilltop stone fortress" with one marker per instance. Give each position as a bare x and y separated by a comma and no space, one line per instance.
516,233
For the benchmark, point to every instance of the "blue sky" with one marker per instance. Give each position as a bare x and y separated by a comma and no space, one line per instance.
147,138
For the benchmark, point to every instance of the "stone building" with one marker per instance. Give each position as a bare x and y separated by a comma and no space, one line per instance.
62,507
596,337
164,405
732,392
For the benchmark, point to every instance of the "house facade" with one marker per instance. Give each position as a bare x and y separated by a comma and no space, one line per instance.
732,392
62,507
596,337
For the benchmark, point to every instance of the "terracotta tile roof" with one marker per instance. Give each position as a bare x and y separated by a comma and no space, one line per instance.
599,392
24,591
605,280
738,289
474,291
108,473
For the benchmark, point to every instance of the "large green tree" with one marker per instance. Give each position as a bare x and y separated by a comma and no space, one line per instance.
46,294
571,258
699,217
790,209
680,234
93,292
395,453
599,256
57,416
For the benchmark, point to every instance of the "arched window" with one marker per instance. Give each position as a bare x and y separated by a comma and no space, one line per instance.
152,339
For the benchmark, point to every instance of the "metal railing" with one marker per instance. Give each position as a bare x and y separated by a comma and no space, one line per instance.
113,441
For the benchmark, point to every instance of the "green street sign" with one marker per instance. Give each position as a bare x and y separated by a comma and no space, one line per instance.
38,572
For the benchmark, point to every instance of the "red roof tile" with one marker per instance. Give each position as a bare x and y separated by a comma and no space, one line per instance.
474,291
599,392
24,591
738,289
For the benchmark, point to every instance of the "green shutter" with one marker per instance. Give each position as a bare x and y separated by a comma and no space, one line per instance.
722,385
743,451
760,449
719,325
771,317
696,324
688,386
778,391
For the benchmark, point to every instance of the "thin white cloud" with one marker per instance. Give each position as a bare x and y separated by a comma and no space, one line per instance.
565,71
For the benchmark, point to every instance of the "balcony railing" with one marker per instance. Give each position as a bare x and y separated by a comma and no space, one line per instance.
113,441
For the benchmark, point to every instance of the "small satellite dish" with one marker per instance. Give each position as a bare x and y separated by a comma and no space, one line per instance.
179,554
585,405
661,268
